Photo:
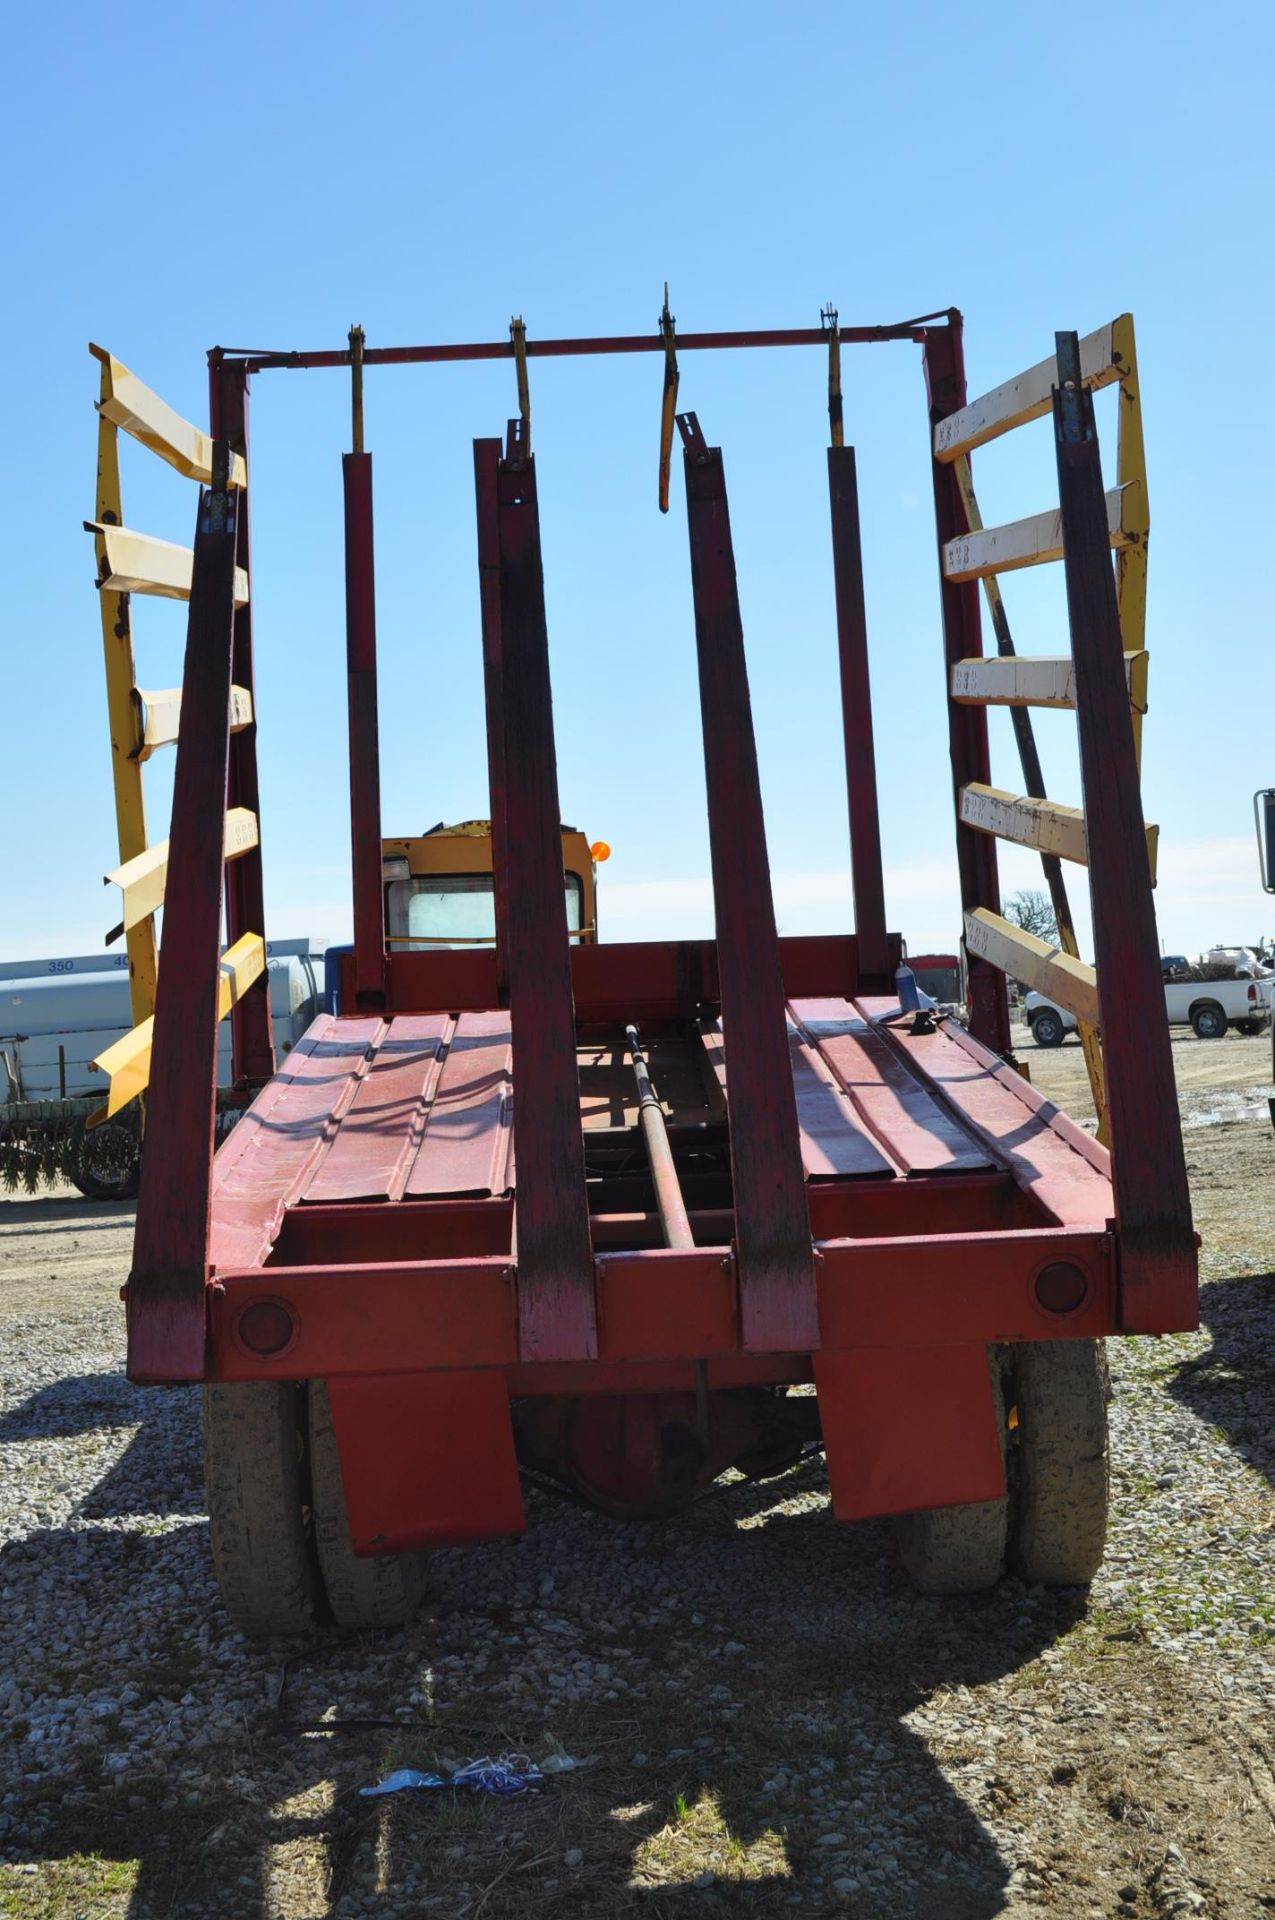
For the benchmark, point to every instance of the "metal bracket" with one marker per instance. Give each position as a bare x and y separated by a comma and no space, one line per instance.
668,410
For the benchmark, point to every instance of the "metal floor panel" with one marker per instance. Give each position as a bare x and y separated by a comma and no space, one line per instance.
917,1131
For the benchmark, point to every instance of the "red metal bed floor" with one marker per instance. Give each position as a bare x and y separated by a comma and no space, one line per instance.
420,1108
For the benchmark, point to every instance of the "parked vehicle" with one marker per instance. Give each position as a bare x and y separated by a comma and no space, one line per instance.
1209,995
535,1203
56,1017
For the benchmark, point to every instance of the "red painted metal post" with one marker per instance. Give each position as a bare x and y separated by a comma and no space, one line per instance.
166,1309
365,772
556,1315
252,1037
776,1264
1158,1284
856,715
967,726
486,487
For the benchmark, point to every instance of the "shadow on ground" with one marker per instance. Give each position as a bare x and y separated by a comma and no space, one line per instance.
758,1641
1231,1386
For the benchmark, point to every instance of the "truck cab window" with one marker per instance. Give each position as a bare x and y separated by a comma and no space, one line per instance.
457,909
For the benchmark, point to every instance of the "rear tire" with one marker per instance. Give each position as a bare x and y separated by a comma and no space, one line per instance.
958,1549
1059,1461
383,1590
108,1165
1209,1021
254,1448
1048,1029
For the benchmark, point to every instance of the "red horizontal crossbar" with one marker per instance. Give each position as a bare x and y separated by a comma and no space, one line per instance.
604,343
642,980
405,1316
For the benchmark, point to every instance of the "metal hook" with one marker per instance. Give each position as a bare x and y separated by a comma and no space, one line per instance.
356,386
828,321
518,335
668,411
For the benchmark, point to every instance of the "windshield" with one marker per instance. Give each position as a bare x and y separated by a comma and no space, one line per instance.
456,910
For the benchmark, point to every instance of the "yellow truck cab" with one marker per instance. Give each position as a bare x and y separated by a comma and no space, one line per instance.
438,887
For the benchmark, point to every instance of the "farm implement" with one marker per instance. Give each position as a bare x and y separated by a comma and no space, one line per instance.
627,1216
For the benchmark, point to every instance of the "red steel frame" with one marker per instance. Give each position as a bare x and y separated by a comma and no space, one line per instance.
885,1292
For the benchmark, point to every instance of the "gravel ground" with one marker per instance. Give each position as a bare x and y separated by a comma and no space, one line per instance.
772,1720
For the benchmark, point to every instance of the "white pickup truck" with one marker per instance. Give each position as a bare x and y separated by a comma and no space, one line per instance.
1225,988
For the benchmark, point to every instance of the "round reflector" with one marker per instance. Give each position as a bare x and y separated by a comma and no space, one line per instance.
266,1327
1060,1288
601,850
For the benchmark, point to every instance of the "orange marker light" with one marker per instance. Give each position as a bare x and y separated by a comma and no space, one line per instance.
601,850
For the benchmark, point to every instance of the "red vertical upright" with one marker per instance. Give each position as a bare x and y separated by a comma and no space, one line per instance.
856,715
776,1266
967,726
486,487
1148,1166
365,771
166,1308
251,1033
556,1315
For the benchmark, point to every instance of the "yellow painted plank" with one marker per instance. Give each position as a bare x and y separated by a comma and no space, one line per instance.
128,1063
144,878
129,403
1023,543
1026,397
161,715
1131,474
1046,825
1033,680
128,1060
1048,969
141,563
121,708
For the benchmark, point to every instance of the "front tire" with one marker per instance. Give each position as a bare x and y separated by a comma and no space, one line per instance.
1048,1029
254,1451
1209,1021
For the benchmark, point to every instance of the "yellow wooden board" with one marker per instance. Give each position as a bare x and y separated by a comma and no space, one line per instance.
144,878
1022,543
1046,825
1033,680
132,405
1027,396
140,563
128,1061
161,715
1068,982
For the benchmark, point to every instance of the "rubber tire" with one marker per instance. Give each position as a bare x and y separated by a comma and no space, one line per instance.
94,1186
958,1549
1059,1461
1209,1022
383,1590
254,1448
1048,1029
1248,1028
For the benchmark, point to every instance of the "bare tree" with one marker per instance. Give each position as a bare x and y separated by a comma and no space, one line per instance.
1033,911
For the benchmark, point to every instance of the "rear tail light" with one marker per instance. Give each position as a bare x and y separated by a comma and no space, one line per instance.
1252,993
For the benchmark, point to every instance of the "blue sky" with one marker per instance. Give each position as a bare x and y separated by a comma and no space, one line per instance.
429,171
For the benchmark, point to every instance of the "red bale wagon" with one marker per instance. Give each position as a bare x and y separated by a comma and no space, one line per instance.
608,1213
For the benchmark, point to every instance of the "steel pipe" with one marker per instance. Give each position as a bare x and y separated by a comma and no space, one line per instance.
668,1194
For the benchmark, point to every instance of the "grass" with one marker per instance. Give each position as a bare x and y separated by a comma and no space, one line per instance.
696,1839
83,1884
